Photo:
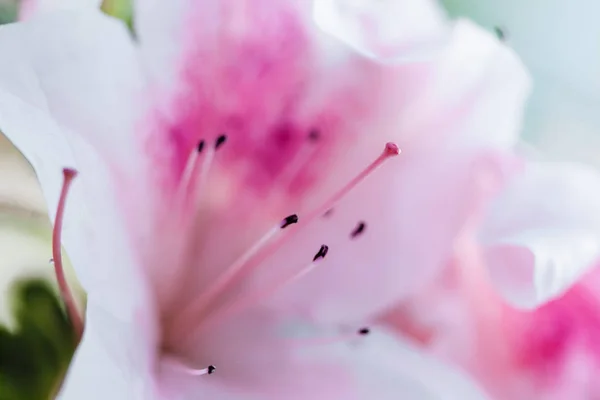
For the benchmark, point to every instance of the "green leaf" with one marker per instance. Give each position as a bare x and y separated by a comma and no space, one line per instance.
121,9
35,355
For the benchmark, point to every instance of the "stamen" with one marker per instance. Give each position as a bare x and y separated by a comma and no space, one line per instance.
287,221
65,291
257,296
200,146
220,141
235,270
332,340
321,253
360,228
199,372
190,171
188,370
196,171
390,150
253,257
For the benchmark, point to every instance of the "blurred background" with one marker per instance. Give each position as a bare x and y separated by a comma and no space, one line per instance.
559,41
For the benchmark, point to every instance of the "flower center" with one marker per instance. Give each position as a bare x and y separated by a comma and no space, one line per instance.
204,307
209,308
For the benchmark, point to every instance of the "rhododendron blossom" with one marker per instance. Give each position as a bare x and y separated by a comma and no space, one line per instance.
230,190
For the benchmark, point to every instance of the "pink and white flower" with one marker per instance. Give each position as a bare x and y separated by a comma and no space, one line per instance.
198,147
537,248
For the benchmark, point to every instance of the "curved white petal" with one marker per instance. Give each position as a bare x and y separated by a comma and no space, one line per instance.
385,367
379,365
386,30
558,41
114,360
80,67
553,37
65,102
543,232
477,80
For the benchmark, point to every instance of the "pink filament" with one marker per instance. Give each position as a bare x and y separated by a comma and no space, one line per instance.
258,295
65,291
252,258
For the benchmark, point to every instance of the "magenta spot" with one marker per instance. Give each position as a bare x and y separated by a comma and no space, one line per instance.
546,337
257,76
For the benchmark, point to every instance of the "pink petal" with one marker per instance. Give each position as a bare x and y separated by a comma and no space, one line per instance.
543,233
389,30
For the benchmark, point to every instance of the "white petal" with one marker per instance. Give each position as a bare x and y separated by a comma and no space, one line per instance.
272,359
543,233
29,8
64,103
559,47
160,27
80,67
386,30
553,37
385,367
478,80
113,361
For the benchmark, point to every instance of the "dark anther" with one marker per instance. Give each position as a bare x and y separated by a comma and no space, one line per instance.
220,141
211,369
314,135
321,253
328,212
364,331
287,221
51,261
500,33
200,146
360,228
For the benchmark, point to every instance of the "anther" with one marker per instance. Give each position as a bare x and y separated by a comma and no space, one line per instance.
360,228
364,331
220,141
65,292
328,213
290,220
321,253
211,369
500,33
200,146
